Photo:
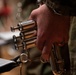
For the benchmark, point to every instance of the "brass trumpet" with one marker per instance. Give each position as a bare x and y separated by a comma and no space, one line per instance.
59,59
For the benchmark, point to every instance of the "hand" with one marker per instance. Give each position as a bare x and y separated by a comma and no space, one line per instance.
50,28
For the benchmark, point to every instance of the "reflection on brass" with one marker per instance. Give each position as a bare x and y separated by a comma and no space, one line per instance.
27,39
28,34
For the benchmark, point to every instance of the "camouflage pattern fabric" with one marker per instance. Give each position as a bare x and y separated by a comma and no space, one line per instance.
72,45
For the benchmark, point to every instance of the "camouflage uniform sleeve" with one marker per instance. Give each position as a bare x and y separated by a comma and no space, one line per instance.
62,7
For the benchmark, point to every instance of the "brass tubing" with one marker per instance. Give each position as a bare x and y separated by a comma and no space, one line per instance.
28,34
29,29
30,44
29,39
27,23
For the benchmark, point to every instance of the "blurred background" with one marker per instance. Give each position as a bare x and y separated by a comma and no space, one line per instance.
13,12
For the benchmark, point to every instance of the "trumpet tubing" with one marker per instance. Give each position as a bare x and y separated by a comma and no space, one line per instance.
26,40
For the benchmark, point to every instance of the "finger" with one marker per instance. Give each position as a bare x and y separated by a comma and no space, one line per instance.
40,42
46,52
41,35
